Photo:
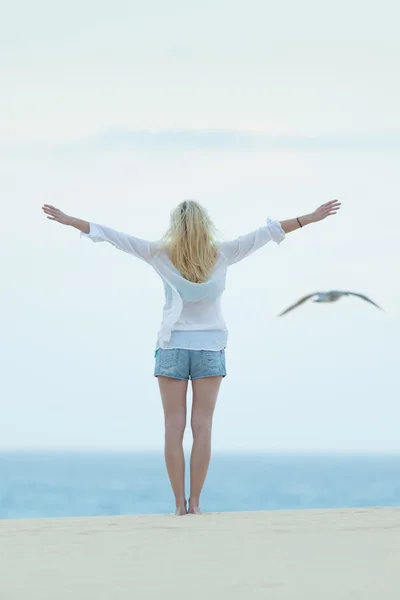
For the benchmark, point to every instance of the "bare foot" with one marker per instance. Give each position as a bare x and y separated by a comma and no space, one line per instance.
181,510
194,510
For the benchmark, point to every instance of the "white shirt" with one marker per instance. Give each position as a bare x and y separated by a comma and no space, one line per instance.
192,316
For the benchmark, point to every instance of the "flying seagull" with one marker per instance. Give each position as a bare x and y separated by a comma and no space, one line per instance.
331,296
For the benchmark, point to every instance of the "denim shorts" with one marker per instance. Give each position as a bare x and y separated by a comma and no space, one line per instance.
189,364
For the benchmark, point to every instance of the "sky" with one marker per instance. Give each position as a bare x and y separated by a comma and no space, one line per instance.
115,113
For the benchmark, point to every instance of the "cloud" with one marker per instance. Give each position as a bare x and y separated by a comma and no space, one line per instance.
217,140
178,51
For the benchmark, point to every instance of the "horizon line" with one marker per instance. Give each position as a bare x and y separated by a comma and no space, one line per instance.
154,451
211,139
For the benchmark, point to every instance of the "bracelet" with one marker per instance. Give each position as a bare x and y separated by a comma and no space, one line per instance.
299,222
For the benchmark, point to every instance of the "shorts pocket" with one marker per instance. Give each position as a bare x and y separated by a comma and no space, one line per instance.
212,359
168,358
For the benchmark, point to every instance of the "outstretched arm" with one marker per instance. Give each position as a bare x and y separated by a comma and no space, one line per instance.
55,214
241,247
323,211
99,233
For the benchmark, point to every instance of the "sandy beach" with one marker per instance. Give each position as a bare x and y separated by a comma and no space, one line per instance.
313,554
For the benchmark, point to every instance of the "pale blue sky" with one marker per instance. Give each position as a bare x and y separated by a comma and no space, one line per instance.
83,84
79,67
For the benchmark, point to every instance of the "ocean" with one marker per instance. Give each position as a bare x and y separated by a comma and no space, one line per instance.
80,484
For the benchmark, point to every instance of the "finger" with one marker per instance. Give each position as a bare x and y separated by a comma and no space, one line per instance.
333,207
52,218
50,206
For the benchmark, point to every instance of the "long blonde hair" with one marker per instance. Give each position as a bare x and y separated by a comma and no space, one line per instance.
191,241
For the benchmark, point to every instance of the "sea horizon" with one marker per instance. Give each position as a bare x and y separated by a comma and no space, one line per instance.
42,484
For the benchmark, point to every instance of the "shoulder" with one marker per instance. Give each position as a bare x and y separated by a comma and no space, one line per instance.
222,248
158,248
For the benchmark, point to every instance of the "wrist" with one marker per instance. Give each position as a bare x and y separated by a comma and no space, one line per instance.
69,220
306,219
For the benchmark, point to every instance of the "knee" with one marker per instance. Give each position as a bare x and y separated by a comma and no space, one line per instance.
201,427
175,425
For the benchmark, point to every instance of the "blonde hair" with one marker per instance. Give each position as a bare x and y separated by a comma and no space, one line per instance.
191,241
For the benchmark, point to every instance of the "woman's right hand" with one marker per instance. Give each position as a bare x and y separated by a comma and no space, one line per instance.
325,210
55,214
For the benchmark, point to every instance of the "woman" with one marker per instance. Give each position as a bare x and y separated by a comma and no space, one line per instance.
193,336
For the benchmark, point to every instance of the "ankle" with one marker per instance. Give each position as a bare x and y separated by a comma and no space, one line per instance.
194,508
194,502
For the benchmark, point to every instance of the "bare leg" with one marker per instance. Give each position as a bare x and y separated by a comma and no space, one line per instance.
205,393
173,395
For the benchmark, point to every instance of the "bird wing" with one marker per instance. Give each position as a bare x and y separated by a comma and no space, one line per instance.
301,301
363,298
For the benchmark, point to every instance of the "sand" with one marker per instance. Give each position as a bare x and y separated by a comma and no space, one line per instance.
311,554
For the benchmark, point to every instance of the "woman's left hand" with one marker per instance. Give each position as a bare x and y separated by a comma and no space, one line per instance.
325,210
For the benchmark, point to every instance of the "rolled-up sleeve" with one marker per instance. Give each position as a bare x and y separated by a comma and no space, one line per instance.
236,250
123,241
